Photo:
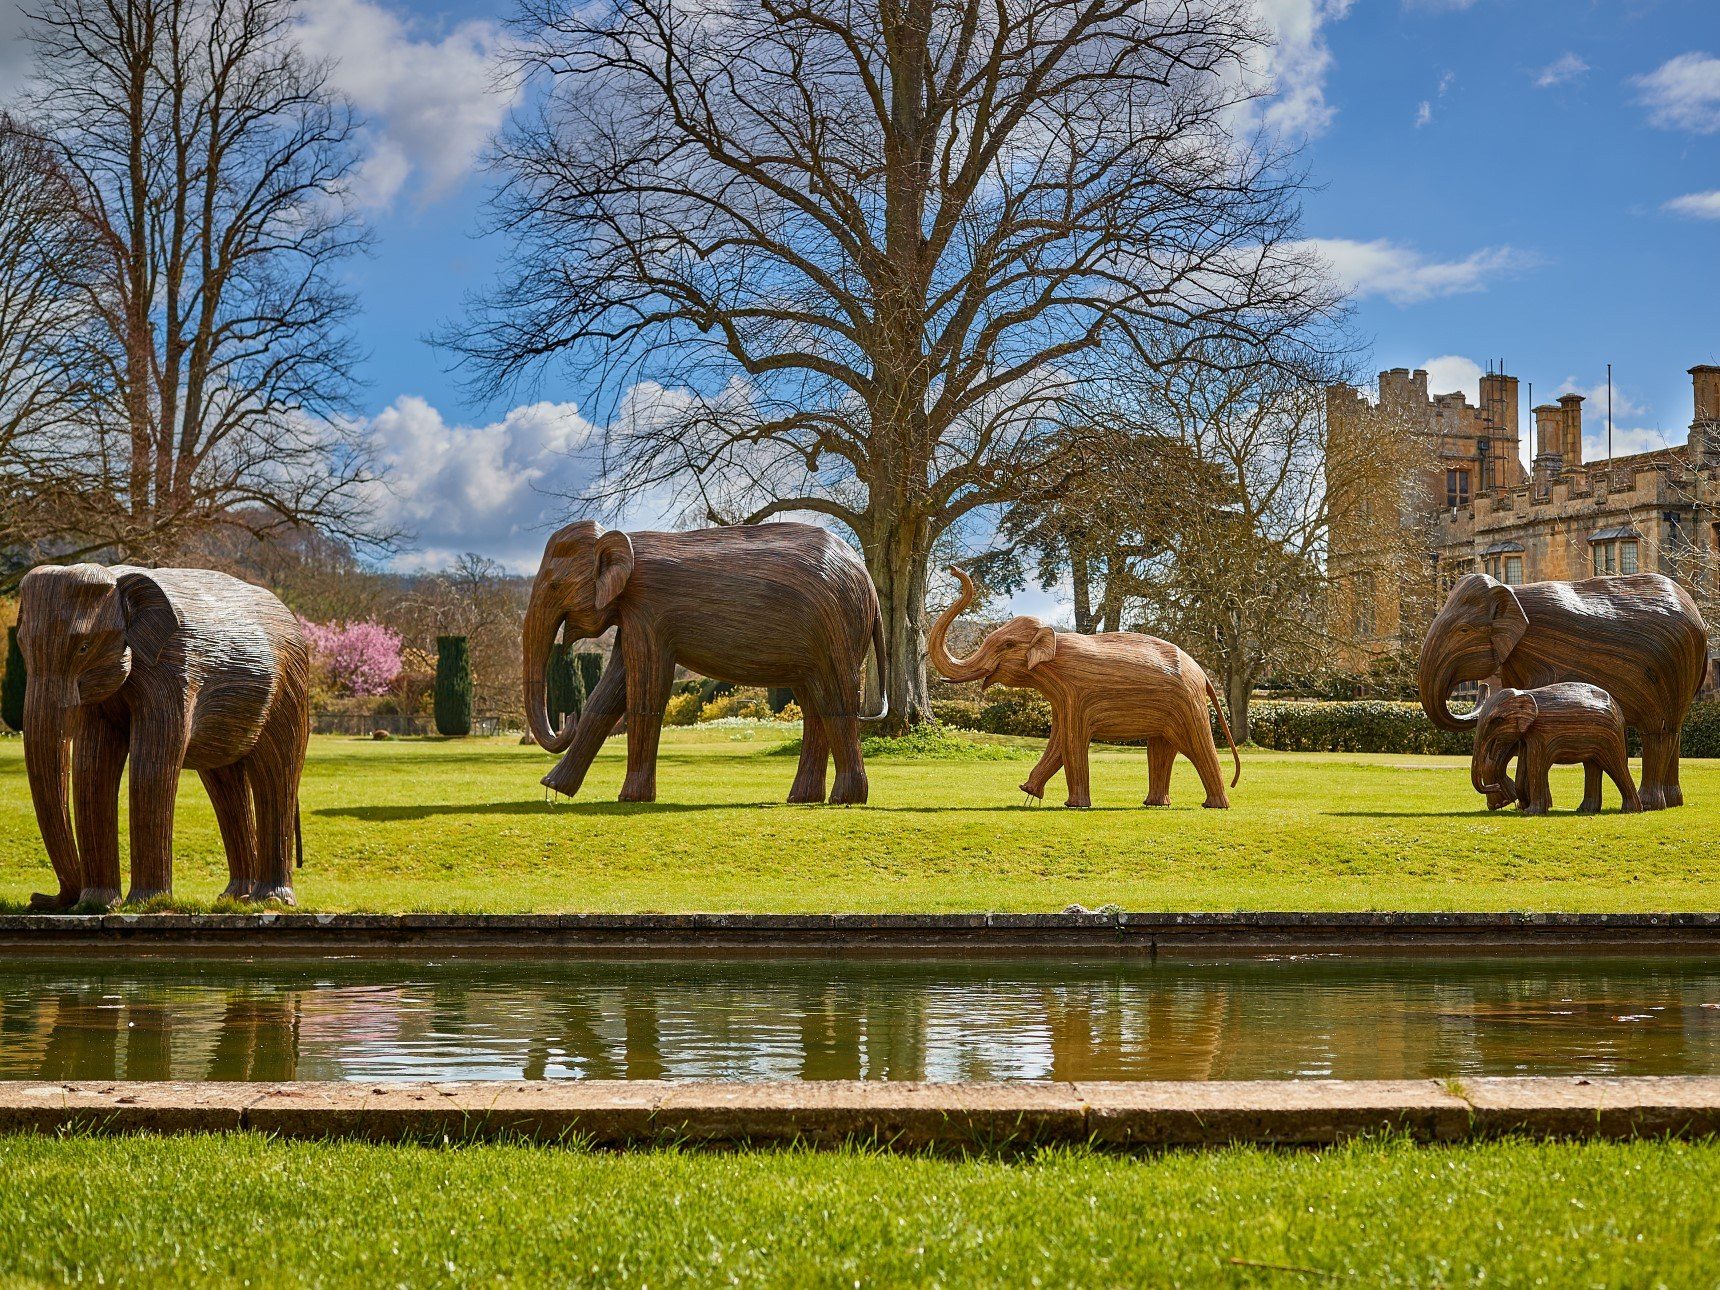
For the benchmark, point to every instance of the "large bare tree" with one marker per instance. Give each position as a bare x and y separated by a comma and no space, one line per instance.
841,253
207,163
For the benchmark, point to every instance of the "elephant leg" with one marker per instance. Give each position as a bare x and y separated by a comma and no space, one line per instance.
814,756
1671,792
1534,793
230,795
1591,803
99,759
1161,756
273,771
1654,772
604,708
647,695
1616,764
157,756
850,787
1075,772
1050,762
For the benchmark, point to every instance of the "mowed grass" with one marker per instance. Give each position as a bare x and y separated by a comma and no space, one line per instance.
193,1211
463,825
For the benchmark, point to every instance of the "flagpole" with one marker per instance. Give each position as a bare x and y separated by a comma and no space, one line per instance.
1609,414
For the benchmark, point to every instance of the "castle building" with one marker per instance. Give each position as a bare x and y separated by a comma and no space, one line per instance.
1470,505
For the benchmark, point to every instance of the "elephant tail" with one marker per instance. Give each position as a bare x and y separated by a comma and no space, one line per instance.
1228,737
883,673
298,837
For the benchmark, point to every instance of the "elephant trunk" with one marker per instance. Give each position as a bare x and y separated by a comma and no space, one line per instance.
50,712
971,668
1434,680
537,639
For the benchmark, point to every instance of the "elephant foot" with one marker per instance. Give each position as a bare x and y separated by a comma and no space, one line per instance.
98,897
1673,794
637,789
1653,799
1082,803
143,895
42,903
238,889
806,796
1586,807
849,790
1034,790
1217,802
1535,808
1157,799
263,893
1630,806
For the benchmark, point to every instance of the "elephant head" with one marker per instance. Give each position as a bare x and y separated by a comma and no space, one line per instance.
1006,657
577,586
1501,723
81,628
1474,634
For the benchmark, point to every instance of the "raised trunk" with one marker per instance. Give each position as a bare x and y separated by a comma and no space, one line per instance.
49,724
971,668
537,638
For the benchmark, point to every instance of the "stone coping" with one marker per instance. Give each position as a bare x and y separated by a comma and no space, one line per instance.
906,1116
1096,932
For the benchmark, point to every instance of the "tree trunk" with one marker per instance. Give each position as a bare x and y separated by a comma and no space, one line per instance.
897,563
1238,685
1078,578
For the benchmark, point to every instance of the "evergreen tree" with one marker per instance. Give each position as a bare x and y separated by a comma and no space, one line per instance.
453,686
590,668
779,697
12,686
566,684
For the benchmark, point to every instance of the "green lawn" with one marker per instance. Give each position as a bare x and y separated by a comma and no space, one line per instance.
463,825
186,1211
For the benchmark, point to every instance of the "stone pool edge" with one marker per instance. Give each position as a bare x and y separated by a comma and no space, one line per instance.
903,1116
1095,931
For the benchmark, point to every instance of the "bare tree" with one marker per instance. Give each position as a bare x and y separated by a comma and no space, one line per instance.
842,252
1246,584
207,161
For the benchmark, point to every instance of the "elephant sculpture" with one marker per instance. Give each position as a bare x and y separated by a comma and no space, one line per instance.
168,669
1555,725
1639,637
1112,685
755,604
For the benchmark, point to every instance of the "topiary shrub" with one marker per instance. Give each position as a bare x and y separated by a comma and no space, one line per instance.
565,689
453,686
590,668
1002,712
12,684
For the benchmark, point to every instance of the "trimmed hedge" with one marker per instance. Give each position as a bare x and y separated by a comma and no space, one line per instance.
453,693
1359,726
12,685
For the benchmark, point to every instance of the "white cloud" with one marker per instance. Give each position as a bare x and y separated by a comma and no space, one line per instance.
1696,205
1440,6
1405,276
1627,442
1296,66
1683,93
1423,113
1453,373
1565,68
432,101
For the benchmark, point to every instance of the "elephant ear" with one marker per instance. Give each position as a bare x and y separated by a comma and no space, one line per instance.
614,566
1506,621
1041,647
1516,713
150,619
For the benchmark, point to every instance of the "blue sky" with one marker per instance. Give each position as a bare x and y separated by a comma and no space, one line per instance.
1532,180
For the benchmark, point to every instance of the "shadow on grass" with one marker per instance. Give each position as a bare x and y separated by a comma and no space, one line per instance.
537,806
1464,815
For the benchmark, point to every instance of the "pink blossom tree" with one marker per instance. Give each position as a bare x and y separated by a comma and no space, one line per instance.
359,658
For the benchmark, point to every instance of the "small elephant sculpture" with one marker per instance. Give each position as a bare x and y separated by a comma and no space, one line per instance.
1112,685
169,669
1639,637
1554,725
756,604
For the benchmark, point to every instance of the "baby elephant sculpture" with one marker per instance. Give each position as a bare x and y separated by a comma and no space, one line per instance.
1113,685
756,604
172,669
1555,725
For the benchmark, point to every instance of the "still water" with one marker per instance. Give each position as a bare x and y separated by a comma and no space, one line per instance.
1274,1017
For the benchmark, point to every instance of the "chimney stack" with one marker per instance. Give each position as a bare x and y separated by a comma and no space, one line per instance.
1571,415
1705,425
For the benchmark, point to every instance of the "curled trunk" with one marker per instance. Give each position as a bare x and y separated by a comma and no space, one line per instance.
1434,680
537,639
971,668
48,729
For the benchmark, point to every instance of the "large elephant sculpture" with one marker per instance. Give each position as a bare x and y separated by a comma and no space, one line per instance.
1639,637
1112,685
755,604
169,670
